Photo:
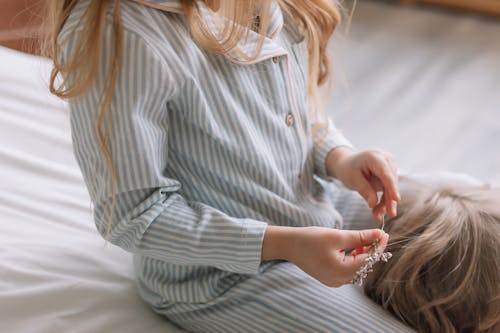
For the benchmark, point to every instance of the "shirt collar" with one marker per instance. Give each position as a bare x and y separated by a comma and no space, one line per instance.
213,20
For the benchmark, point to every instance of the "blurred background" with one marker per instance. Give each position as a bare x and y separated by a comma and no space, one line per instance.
419,78
422,82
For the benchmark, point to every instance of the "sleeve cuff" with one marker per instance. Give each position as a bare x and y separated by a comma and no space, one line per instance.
248,260
323,146
194,233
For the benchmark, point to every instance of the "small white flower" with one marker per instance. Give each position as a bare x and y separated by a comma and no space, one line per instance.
361,275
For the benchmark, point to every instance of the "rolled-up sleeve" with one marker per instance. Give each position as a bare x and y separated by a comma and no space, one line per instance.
150,216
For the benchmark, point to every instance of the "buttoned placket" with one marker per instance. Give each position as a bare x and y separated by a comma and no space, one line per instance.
292,118
289,116
278,55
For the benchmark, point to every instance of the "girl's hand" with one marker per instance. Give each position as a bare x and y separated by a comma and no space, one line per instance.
320,252
367,172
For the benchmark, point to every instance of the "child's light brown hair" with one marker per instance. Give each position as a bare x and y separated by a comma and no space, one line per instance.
445,272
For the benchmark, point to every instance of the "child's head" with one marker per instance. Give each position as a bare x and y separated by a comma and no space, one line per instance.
445,272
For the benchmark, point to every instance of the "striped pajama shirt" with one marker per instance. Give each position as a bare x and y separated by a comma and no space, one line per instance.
209,149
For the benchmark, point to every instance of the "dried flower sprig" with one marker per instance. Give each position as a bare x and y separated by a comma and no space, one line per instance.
374,256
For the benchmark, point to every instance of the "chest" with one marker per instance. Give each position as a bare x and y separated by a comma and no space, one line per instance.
268,94
253,113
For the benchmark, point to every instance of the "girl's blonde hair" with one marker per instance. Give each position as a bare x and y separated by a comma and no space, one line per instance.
445,272
317,19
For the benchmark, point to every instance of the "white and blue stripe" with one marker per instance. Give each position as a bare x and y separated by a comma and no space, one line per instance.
209,149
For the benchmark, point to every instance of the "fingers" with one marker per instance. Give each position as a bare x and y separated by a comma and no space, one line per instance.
385,206
357,238
352,263
359,250
380,209
391,207
355,260
362,241
373,171
385,172
390,160
368,192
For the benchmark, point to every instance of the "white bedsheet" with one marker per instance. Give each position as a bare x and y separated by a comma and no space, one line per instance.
424,85
56,275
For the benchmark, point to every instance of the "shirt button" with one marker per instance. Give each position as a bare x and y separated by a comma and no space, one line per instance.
277,59
289,119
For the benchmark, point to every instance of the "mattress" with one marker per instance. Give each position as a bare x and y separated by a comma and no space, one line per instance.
421,84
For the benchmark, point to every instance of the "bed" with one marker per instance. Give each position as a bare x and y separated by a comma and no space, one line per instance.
428,93
56,274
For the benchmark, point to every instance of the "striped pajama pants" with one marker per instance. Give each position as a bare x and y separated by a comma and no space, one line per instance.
282,298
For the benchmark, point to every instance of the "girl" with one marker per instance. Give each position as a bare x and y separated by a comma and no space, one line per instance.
197,128
445,273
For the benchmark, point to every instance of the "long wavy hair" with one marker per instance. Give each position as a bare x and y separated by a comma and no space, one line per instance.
317,19
445,272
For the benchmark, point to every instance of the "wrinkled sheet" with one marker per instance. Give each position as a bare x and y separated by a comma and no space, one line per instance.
56,273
